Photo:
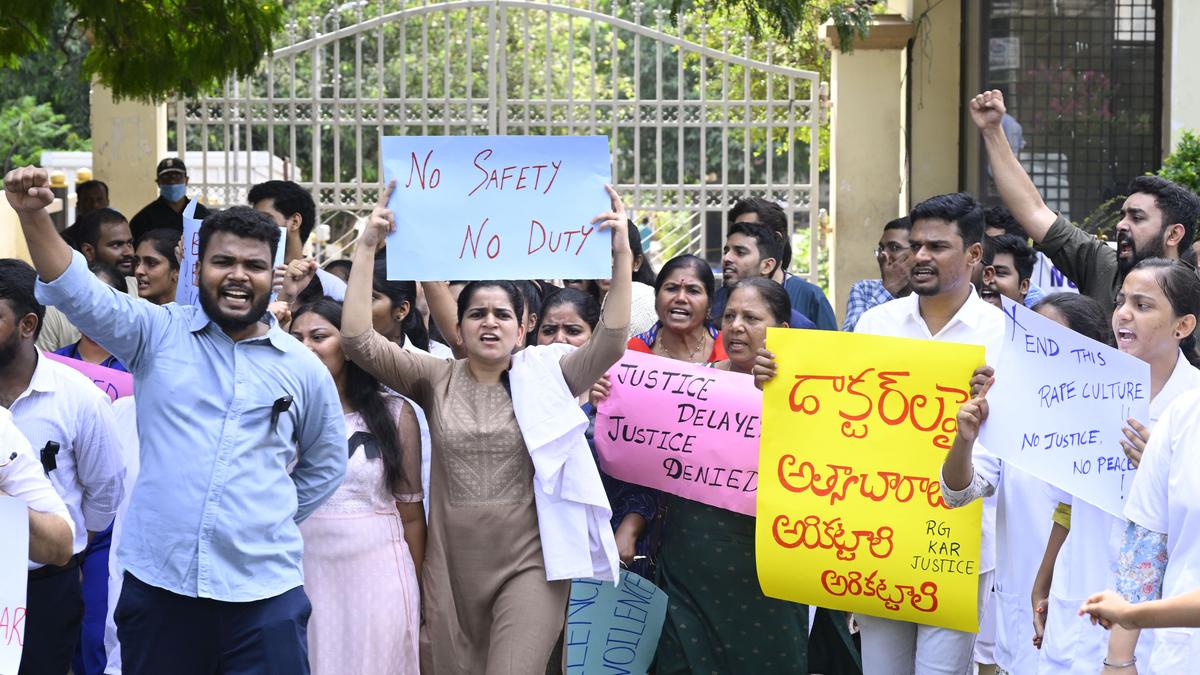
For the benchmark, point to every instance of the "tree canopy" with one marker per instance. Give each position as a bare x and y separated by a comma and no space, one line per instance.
147,50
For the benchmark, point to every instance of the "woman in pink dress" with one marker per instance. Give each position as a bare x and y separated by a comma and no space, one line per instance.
363,547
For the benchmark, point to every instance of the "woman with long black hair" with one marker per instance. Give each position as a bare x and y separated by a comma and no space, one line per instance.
363,548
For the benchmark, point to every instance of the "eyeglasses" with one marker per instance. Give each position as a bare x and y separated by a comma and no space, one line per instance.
891,248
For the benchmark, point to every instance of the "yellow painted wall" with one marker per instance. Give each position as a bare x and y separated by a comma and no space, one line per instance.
12,242
866,175
128,140
936,99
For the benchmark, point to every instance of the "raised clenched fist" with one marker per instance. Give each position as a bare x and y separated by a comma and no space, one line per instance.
987,109
28,189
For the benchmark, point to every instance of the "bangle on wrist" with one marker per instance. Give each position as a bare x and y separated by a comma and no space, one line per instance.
1120,664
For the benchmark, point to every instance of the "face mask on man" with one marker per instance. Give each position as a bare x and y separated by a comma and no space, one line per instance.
172,193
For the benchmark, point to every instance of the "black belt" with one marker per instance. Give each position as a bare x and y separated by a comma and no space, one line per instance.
54,570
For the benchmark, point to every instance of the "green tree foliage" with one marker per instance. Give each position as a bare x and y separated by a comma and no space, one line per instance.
1183,165
53,74
149,50
27,128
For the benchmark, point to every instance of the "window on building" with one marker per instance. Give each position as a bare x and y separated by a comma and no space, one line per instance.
1083,84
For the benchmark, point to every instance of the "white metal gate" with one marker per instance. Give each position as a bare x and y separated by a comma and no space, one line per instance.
695,120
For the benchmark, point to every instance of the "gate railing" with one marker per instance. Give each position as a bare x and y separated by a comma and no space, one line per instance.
695,120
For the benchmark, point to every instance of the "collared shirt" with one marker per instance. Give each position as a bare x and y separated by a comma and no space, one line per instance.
64,407
977,322
214,512
160,213
810,300
864,295
22,476
1084,259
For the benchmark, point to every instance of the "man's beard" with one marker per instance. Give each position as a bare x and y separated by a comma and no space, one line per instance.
232,323
1157,248
9,350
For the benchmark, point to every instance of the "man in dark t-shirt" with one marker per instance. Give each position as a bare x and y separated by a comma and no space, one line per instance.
1158,219
807,299
167,210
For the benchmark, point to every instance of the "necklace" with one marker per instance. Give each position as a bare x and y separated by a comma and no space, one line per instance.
691,358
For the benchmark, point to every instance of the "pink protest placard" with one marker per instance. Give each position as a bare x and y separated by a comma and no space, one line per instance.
115,383
682,428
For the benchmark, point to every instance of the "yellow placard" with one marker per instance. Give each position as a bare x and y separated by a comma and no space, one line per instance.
850,513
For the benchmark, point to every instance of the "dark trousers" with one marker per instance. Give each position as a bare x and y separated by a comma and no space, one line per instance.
53,611
162,632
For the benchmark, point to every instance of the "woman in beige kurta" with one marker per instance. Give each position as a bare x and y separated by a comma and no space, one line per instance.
487,605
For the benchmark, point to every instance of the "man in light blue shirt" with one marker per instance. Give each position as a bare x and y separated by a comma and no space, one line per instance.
226,405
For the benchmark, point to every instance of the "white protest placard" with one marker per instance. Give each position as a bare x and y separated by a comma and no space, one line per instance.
14,554
187,291
498,207
1058,406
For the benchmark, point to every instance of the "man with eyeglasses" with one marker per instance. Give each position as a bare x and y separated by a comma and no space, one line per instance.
894,260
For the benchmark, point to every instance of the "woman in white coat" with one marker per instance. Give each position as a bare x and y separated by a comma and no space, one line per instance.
1155,318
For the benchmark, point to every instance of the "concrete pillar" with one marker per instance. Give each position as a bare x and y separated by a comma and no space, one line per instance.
1182,52
934,100
12,240
866,148
128,140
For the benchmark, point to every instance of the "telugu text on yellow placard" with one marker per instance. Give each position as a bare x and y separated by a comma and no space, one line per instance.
850,513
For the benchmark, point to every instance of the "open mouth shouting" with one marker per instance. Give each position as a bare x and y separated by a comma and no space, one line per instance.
679,315
236,298
1125,337
990,294
737,345
1125,247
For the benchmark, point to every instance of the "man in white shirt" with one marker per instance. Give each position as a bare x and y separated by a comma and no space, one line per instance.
70,421
50,529
945,242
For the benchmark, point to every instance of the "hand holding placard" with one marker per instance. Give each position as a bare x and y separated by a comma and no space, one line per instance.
682,428
187,289
1059,407
850,511
501,207
382,222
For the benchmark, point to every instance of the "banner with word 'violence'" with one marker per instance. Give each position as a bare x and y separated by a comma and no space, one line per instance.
498,207
682,428
613,629
850,512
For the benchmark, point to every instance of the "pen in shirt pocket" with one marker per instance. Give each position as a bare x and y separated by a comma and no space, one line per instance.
281,405
8,460
49,456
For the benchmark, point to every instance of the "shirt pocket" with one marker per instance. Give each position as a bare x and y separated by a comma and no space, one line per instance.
275,416
1175,651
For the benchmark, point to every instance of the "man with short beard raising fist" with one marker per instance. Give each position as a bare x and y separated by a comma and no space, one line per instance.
226,404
